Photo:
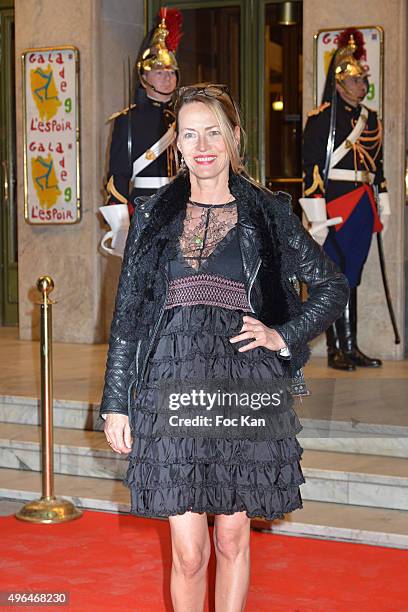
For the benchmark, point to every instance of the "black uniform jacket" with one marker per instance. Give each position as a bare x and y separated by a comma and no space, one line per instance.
277,253
150,120
315,143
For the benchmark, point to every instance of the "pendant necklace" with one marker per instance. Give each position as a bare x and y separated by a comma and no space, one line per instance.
200,240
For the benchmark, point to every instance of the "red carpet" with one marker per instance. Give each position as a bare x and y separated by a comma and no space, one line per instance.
117,562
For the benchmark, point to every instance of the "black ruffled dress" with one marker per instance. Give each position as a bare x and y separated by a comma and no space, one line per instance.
171,474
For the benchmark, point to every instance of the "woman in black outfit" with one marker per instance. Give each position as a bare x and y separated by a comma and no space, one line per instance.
208,293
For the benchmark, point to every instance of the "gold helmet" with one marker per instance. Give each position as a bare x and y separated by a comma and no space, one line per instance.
160,54
350,51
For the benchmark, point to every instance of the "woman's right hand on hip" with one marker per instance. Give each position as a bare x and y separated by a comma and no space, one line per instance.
118,433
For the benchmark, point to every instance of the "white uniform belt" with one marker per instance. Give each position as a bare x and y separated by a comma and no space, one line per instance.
150,182
153,152
340,174
350,141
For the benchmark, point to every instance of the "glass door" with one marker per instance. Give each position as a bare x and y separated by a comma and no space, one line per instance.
210,47
281,106
255,47
8,210
214,47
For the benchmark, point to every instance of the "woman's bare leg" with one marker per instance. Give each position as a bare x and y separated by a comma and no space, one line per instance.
191,551
232,547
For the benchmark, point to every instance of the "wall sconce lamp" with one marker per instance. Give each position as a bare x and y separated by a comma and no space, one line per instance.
288,13
277,104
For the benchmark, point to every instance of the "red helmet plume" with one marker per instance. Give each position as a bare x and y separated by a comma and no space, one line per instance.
343,41
174,22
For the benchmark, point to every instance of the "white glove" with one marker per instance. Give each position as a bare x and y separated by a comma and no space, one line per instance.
384,210
117,215
316,213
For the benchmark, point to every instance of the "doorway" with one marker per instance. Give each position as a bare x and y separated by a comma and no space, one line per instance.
255,47
282,111
8,210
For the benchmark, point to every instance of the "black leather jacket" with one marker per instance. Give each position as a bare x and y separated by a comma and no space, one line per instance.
300,259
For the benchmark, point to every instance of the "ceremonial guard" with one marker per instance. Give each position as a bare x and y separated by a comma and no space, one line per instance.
141,151
344,179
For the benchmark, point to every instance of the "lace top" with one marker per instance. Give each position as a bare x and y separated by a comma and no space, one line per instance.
208,269
205,226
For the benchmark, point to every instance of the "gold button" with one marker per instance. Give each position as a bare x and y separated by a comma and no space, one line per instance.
150,155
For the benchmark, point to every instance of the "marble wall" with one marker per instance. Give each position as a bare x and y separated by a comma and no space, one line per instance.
105,32
375,331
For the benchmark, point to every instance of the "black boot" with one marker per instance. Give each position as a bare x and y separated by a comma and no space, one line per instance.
335,356
350,346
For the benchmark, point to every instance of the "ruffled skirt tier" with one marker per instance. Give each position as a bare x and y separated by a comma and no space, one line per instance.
171,474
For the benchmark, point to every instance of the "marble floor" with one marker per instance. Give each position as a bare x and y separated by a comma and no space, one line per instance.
77,368
9,506
377,396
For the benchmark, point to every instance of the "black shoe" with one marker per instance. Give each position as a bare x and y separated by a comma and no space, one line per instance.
362,361
335,355
350,347
338,360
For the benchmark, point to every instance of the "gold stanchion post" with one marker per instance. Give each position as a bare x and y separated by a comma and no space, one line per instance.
47,509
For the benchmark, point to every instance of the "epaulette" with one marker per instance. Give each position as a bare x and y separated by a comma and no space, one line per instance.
319,109
122,112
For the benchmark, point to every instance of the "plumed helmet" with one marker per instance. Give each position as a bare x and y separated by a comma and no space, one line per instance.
345,61
350,50
162,43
